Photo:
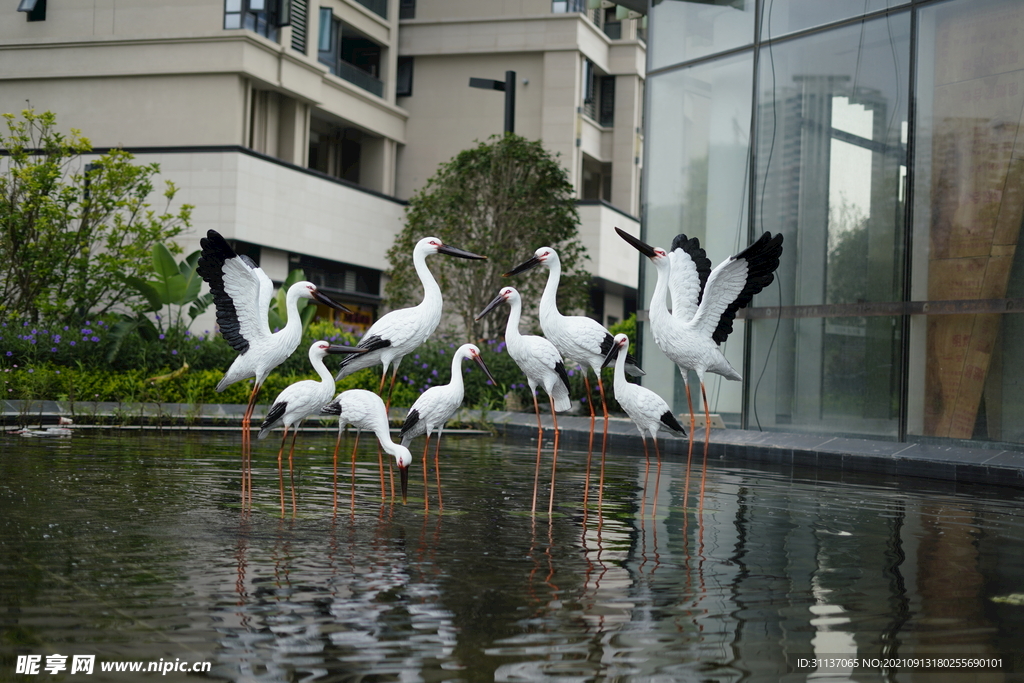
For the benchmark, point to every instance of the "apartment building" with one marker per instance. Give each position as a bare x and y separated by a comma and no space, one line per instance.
299,130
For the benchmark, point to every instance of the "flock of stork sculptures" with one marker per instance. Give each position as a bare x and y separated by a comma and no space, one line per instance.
704,302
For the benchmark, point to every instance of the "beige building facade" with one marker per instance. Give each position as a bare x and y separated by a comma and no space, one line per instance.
299,130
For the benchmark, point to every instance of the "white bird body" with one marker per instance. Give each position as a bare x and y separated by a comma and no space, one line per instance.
648,411
366,410
580,340
704,305
542,364
242,293
536,356
438,404
302,399
399,332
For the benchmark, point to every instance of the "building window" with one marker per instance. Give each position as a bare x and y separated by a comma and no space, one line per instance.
406,9
35,9
565,6
403,77
264,17
349,54
598,95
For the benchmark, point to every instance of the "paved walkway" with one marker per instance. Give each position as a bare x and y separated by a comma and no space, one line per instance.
984,463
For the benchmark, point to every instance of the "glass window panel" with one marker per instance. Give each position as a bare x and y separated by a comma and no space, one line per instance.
682,31
964,379
233,21
779,17
232,5
696,183
831,157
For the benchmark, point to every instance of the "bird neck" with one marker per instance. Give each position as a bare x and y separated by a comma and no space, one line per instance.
457,380
431,290
326,378
383,433
293,323
620,368
515,312
549,299
659,308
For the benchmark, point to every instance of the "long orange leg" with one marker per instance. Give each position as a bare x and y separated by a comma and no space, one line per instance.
426,479
689,450
554,460
437,470
707,439
354,447
247,447
536,467
647,471
291,469
657,479
337,445
590,443
604,445
280,468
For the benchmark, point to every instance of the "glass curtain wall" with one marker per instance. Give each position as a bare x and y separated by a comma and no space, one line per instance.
883,139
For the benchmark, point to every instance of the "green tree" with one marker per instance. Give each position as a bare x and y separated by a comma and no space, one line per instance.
71,234
504,199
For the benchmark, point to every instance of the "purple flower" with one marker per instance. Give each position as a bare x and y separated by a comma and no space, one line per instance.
95,338
434,373
31,370
174,352
56,339
416,357
53,349
425,366
72,342
570,372
161,337
501,347
10,353
65,328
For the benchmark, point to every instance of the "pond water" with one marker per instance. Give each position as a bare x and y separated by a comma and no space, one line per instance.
133,547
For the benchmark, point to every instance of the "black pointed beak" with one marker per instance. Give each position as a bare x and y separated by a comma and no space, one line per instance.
338,348
328,301
403,475
487,309
612,355
480,362
461,253
524,266
644,248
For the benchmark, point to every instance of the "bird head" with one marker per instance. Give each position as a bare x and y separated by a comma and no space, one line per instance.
656,254
506,294
435,245
544,256
307,290
321,348
621,341
403,458
473,352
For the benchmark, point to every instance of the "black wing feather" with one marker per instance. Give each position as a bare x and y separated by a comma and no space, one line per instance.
275,413
372,343
562,374
670,421
410,421
762,261
215,252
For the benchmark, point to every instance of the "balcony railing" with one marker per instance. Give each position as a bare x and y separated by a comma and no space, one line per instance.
378,7
356,76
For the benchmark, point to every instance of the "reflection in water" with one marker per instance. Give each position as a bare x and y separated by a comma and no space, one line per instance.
134,548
